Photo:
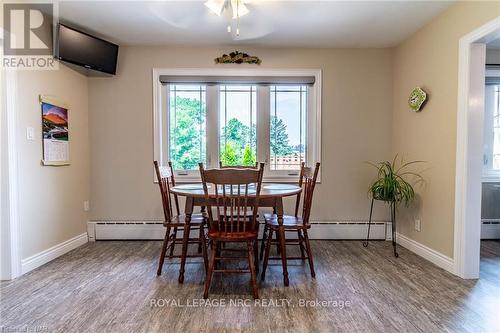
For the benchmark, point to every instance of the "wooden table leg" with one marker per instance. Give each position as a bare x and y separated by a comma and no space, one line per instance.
281,238
185,237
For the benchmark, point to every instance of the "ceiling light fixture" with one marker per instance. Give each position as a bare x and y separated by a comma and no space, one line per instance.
230,9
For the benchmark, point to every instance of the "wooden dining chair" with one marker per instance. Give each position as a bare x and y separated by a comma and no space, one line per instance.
299,224
177,221
297,205
177,210
234,192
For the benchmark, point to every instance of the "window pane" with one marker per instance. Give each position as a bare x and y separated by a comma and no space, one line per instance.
187,126
496,130
288,124
238,115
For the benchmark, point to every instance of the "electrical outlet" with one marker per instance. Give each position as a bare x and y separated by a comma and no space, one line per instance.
86,205
417,225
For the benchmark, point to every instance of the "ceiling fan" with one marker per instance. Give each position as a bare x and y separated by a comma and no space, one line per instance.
232,10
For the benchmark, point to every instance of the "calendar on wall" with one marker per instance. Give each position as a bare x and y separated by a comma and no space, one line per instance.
55,131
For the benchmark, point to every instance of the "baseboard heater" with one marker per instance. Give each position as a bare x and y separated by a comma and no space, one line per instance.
490,229
154,230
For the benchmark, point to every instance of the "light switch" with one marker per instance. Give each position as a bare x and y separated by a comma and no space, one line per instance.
86,205
30,133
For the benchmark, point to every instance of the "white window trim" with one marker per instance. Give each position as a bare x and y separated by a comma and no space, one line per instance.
160,140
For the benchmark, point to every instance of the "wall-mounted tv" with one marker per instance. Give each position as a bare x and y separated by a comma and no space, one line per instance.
81,49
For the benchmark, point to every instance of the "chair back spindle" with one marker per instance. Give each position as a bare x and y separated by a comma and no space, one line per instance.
172,184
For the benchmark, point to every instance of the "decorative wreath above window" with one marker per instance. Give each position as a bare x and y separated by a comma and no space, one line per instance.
237,57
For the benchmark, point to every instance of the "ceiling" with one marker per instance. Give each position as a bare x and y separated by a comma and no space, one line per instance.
270,23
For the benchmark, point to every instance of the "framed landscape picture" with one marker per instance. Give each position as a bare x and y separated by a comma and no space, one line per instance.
55,131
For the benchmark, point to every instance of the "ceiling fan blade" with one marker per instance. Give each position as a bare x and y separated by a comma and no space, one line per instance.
179,17
254,25
216,6
238,8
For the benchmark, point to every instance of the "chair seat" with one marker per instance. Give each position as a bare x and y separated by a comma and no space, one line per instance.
180,220
232,236
290,222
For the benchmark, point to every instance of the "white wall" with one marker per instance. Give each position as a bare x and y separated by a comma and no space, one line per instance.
429,59
51,198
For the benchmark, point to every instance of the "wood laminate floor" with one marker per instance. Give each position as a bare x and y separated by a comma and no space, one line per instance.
111,286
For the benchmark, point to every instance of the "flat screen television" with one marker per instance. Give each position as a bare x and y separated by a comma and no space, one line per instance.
81,49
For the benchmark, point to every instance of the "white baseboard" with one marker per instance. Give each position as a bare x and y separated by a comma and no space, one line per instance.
127,230
52,253
425,252
490,229
123,230
347,230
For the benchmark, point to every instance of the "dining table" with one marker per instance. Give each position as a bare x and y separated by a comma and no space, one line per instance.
271,195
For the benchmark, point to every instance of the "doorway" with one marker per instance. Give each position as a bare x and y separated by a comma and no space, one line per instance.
470,155
490,189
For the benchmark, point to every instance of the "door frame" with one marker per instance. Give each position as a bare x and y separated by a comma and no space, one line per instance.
10,232
469,150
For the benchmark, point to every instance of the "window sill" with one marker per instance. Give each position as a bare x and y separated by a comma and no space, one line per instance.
491,178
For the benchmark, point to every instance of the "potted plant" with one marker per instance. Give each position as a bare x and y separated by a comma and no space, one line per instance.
393,186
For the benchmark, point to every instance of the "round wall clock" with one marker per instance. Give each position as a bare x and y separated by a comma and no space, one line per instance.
417,99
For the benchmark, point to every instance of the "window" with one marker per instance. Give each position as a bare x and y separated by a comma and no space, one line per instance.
237,120
492,131
237,114
496,130
288,130
187,132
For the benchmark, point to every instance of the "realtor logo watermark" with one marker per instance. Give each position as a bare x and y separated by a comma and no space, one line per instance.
27,42
245,303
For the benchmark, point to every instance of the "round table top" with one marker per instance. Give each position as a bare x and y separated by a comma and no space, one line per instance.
267,190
